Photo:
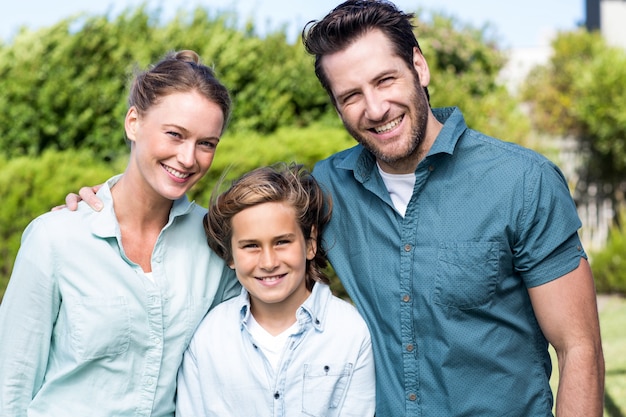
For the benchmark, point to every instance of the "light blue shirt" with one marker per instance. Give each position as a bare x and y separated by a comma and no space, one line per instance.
444,288
84,333
326,368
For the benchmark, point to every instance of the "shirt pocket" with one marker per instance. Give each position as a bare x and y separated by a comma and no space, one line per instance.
100,327
324,386
467,274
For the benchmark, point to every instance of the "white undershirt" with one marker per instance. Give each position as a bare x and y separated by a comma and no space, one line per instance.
271,346
149,276
400,188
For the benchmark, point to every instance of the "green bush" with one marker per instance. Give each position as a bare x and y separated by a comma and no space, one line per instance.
609,264
32,186
65,86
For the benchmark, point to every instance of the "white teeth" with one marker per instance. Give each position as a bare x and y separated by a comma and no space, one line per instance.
175,173
387,127
274,278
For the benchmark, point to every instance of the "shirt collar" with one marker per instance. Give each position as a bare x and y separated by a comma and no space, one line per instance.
363,163
105,221
311,312
453,127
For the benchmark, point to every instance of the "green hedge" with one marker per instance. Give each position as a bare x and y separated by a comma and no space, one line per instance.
30,186
609,264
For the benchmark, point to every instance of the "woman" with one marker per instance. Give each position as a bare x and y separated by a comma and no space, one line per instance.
101,305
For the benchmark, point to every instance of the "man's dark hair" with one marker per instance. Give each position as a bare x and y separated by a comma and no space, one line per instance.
353,19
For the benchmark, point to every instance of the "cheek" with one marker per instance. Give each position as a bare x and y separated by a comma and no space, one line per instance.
205,160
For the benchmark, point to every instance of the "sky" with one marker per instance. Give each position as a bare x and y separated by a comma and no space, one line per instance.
527,24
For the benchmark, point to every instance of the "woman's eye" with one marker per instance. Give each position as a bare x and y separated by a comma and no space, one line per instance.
208,144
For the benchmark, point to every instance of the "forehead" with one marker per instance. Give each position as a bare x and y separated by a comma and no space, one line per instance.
190,110
275,216
364,59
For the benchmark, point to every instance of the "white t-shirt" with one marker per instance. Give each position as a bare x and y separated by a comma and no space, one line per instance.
271,346
400,188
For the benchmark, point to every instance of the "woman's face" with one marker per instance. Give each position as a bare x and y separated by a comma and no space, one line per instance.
174,142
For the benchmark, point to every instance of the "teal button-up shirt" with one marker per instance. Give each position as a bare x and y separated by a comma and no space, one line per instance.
83,332
444,288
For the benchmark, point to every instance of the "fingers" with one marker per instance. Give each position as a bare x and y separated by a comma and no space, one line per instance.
88,194
71,201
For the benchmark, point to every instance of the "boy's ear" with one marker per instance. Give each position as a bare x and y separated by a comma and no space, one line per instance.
311,244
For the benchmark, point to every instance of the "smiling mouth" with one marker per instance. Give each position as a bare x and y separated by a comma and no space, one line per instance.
177,174
270,279
388,126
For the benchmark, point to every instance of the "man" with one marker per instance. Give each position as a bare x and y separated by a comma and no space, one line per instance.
461,251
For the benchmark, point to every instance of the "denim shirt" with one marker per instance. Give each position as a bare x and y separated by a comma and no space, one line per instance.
85,333
444,288
326,368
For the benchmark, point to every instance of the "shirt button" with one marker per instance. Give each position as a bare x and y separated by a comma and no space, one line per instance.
410,347
276,395
412,397
407,248
406,298
431,168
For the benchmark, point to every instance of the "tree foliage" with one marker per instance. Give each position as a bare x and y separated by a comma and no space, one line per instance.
65,86
581,93
465,63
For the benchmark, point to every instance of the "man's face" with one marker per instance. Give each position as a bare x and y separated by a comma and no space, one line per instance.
380,100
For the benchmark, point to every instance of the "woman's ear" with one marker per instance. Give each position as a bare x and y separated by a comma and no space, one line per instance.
130,123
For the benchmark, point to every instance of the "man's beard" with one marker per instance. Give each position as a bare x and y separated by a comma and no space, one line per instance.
419,120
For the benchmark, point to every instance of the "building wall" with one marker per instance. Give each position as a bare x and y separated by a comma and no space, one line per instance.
613,22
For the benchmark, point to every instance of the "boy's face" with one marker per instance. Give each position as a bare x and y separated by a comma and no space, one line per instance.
270,254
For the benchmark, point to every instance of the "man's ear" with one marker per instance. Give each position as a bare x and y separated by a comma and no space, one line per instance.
421,66
130,123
